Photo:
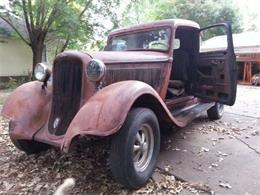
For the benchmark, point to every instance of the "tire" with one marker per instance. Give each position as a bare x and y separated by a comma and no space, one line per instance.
30,146
140,132
216,112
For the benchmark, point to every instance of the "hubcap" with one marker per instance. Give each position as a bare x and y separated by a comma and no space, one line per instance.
143,147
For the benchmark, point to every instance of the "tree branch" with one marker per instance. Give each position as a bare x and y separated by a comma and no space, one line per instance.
31,14
52,17
38,14
85,8
27,20
16,30
68,1
65,44
44,15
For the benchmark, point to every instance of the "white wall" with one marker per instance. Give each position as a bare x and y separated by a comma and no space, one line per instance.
15,57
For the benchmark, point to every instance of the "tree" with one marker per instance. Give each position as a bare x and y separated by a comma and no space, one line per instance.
205,12
65,20
134,11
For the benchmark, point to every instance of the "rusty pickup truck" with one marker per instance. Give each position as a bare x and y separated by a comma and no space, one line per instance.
148,78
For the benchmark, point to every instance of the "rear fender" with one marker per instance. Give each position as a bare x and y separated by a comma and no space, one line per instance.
105,112
27,109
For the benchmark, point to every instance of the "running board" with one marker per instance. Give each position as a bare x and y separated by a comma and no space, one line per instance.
187,114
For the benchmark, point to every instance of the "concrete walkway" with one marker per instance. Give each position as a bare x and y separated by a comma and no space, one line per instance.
223,154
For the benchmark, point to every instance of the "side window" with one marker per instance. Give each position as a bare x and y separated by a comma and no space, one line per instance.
213,39
119,45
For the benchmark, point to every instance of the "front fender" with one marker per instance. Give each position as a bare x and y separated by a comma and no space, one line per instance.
27,109
105,112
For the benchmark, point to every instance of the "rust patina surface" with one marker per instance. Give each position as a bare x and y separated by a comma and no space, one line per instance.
27,108
106,114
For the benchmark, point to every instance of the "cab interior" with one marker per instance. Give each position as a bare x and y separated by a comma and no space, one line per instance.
185,58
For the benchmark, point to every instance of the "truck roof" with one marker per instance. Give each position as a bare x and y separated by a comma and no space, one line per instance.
167,22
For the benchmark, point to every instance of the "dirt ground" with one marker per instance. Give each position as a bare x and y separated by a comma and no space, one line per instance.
42,173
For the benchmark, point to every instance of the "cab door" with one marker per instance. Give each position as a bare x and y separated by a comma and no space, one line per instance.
215,73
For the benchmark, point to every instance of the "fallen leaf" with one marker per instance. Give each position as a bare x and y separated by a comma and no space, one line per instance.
255,133
176,149
7,185
222,153
203,149
157,177
214,165
225,185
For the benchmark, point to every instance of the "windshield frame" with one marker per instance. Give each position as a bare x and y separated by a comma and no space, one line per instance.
130,31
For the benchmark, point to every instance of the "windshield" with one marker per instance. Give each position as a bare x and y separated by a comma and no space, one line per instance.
148,40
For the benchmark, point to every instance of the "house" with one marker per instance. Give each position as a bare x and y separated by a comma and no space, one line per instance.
15,55
247,50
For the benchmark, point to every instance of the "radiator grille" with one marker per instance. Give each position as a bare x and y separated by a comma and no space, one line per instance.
66,95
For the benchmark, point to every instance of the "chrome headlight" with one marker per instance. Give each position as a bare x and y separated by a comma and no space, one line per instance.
96,70
41,72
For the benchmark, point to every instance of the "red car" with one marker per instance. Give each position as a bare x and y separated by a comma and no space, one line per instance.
149,77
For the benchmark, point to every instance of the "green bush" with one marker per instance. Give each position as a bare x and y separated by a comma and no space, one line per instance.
12,83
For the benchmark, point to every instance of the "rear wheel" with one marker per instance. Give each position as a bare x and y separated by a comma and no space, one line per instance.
216,112
135,148
30,146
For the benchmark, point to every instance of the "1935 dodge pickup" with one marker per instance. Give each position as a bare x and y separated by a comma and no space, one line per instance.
149,77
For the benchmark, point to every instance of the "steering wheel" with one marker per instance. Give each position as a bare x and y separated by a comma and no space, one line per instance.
154,43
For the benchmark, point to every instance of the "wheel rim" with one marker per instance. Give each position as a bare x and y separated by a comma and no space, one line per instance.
143,147
220,109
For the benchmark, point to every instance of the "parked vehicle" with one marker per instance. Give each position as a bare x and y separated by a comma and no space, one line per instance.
148,77
255,79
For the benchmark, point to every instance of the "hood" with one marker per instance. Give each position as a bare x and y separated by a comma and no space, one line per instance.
110,57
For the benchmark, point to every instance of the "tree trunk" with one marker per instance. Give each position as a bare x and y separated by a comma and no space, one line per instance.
37,50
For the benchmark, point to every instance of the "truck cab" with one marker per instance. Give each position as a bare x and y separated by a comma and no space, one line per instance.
191,71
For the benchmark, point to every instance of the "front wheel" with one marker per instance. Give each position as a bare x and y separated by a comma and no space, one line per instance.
135,148
30,146
216,112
